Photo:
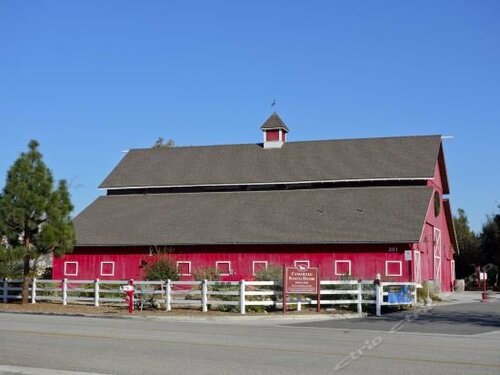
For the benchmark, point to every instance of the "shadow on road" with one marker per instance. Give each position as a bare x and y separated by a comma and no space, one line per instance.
459,319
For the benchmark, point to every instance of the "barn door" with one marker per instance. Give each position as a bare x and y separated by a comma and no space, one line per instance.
437,257
418,270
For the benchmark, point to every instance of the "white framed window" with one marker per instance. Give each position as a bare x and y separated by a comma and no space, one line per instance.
301,262
393,268
107,268
342,267
70,268
184,268
258,265
224,267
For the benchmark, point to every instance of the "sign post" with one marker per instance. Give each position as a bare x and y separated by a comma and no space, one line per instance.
284,289
408,258
483,276
301,280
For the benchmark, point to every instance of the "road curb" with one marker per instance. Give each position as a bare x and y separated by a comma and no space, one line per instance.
201,318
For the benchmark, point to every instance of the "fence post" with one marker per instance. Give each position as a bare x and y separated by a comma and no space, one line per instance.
415,296
204,295
168,295
360,297
96,293
242,297
5,290
33,291
65,292
379,297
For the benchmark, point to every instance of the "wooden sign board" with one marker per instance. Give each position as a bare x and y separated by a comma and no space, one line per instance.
301,280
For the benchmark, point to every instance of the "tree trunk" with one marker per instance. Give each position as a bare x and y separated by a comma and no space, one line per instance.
26,280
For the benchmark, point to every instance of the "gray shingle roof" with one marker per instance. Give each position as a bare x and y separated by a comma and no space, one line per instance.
274,122
347,215
373,158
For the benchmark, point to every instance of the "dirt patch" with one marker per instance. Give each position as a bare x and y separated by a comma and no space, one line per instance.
59,308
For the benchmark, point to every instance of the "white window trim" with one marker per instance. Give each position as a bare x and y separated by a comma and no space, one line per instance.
258,261
229,268
70,274
113,269
393,274
341,273
183,262
301,261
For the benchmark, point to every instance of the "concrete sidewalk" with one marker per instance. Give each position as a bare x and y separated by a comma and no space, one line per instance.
464,297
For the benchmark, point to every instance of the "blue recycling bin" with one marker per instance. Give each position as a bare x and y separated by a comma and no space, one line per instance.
403,295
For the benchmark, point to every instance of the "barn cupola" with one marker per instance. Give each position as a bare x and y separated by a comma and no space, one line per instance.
274,130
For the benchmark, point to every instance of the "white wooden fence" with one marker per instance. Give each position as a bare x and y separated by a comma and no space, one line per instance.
240,296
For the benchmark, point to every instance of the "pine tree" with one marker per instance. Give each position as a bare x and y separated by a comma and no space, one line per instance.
34,216
468,245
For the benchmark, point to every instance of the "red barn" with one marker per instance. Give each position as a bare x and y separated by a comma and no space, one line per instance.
355,206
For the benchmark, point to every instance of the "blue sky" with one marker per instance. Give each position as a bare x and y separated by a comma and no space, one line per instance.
89,79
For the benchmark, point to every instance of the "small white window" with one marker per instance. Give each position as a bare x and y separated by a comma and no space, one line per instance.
342,267
107,268
301,262
224,267
70,268
393,268
184,268
258,266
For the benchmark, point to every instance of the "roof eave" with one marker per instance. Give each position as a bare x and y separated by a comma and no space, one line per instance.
451,224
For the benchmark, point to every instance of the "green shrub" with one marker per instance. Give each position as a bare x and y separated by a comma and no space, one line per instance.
225,287
272,273
207,273
162,268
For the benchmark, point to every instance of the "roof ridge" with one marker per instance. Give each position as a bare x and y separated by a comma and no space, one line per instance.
287,143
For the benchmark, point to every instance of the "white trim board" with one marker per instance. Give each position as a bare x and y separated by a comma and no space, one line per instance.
268,183
113,268
70,274
229,268
256,262
400,268
183,262
342,261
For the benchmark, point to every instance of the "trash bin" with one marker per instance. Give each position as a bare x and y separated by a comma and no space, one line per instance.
459,285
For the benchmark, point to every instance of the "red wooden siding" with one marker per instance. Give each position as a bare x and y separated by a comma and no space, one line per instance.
272,135
240,262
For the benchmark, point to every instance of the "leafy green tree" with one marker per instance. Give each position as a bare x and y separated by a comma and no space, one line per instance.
34,215
468,244
490,245
160,143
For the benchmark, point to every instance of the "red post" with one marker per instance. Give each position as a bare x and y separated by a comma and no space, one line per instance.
485,296
131,297
318,307
284,288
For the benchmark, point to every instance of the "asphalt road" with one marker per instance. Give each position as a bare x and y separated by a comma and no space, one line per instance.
460,319
38,344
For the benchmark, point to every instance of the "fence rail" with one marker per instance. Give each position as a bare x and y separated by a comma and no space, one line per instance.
203,294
